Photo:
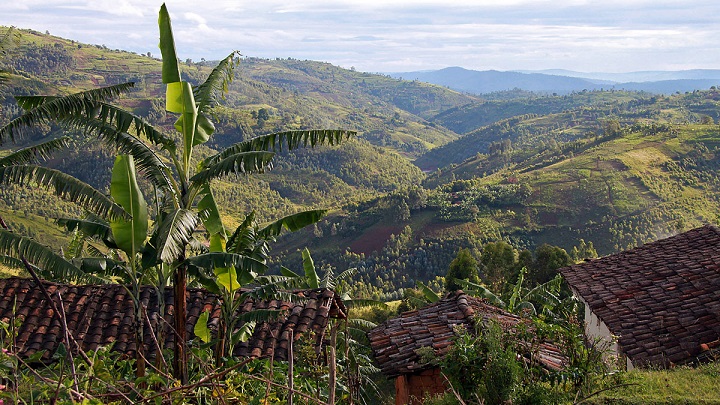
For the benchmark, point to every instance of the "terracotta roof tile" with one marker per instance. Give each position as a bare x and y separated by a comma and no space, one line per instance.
658,297
100,315
395,342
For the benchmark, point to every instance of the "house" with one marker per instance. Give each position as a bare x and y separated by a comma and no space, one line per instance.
655,305
396,343
100,315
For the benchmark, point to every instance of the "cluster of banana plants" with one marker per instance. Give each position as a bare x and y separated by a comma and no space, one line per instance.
119,240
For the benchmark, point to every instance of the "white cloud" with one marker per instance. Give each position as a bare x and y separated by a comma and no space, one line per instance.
387,35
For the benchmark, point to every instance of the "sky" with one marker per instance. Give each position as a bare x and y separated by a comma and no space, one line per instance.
402,35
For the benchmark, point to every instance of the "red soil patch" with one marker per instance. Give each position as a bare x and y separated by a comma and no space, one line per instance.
433,228
374,239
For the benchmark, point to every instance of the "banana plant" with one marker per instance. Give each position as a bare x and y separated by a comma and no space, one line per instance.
21,166
347,349
522,300
240,260
180,184
130,235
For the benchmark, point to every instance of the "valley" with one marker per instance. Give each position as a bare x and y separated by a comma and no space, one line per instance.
430,171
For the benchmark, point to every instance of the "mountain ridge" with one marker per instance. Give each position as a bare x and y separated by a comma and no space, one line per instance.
565,81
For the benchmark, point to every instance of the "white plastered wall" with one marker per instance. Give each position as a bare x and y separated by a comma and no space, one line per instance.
597,331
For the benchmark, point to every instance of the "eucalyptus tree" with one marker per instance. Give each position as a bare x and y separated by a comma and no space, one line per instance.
182,189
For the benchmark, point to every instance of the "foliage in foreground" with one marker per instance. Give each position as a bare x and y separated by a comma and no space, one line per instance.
682,385
107,377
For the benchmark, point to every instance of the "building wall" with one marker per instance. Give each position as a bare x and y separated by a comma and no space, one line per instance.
597,330
413,388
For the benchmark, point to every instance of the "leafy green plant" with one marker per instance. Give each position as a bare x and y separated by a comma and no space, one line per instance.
180,188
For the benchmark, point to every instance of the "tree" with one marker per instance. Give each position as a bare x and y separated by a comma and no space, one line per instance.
180,187
583,251
544,299
463,267
548,259
497,263
263,114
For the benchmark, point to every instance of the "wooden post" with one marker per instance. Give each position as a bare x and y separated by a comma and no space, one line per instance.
332,363
291,368
180,317
402,391
353,377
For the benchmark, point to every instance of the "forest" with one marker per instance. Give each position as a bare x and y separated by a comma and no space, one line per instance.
253,177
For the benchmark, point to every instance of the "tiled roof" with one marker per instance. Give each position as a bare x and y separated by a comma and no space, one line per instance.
98,315
662,299
395,342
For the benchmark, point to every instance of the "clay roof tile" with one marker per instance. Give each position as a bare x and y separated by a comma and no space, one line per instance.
648,292
100,315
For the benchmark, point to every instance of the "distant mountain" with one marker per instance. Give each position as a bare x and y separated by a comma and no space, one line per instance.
670,86
642,76
566,81
479,82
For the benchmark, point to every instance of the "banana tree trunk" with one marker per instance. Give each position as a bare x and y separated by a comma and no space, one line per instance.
180,371
139,338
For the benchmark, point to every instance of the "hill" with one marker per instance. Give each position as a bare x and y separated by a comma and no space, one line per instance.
266,96
616,168
563,82
550,121
480,82
617,175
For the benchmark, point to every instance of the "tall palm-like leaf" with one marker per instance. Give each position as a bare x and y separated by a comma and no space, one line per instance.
43,109
250,240
15,263
311,276
244,162
288,140
34,153
291,223
430,295
146,159
244,237
91,106
114,270
179,96
208,94
87,111
93,227
64,186
50,264
174,233
223,259
129,234
481,291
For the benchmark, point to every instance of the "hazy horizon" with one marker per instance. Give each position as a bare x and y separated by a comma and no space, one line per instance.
403,36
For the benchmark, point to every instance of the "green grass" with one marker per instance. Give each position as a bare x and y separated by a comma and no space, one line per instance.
681,385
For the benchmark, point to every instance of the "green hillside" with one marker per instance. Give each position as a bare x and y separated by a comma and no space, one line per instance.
534,137
266,96
469,117
645,172
614,168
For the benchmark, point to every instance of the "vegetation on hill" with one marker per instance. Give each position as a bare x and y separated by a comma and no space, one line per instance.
617,175
530,169
521,184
